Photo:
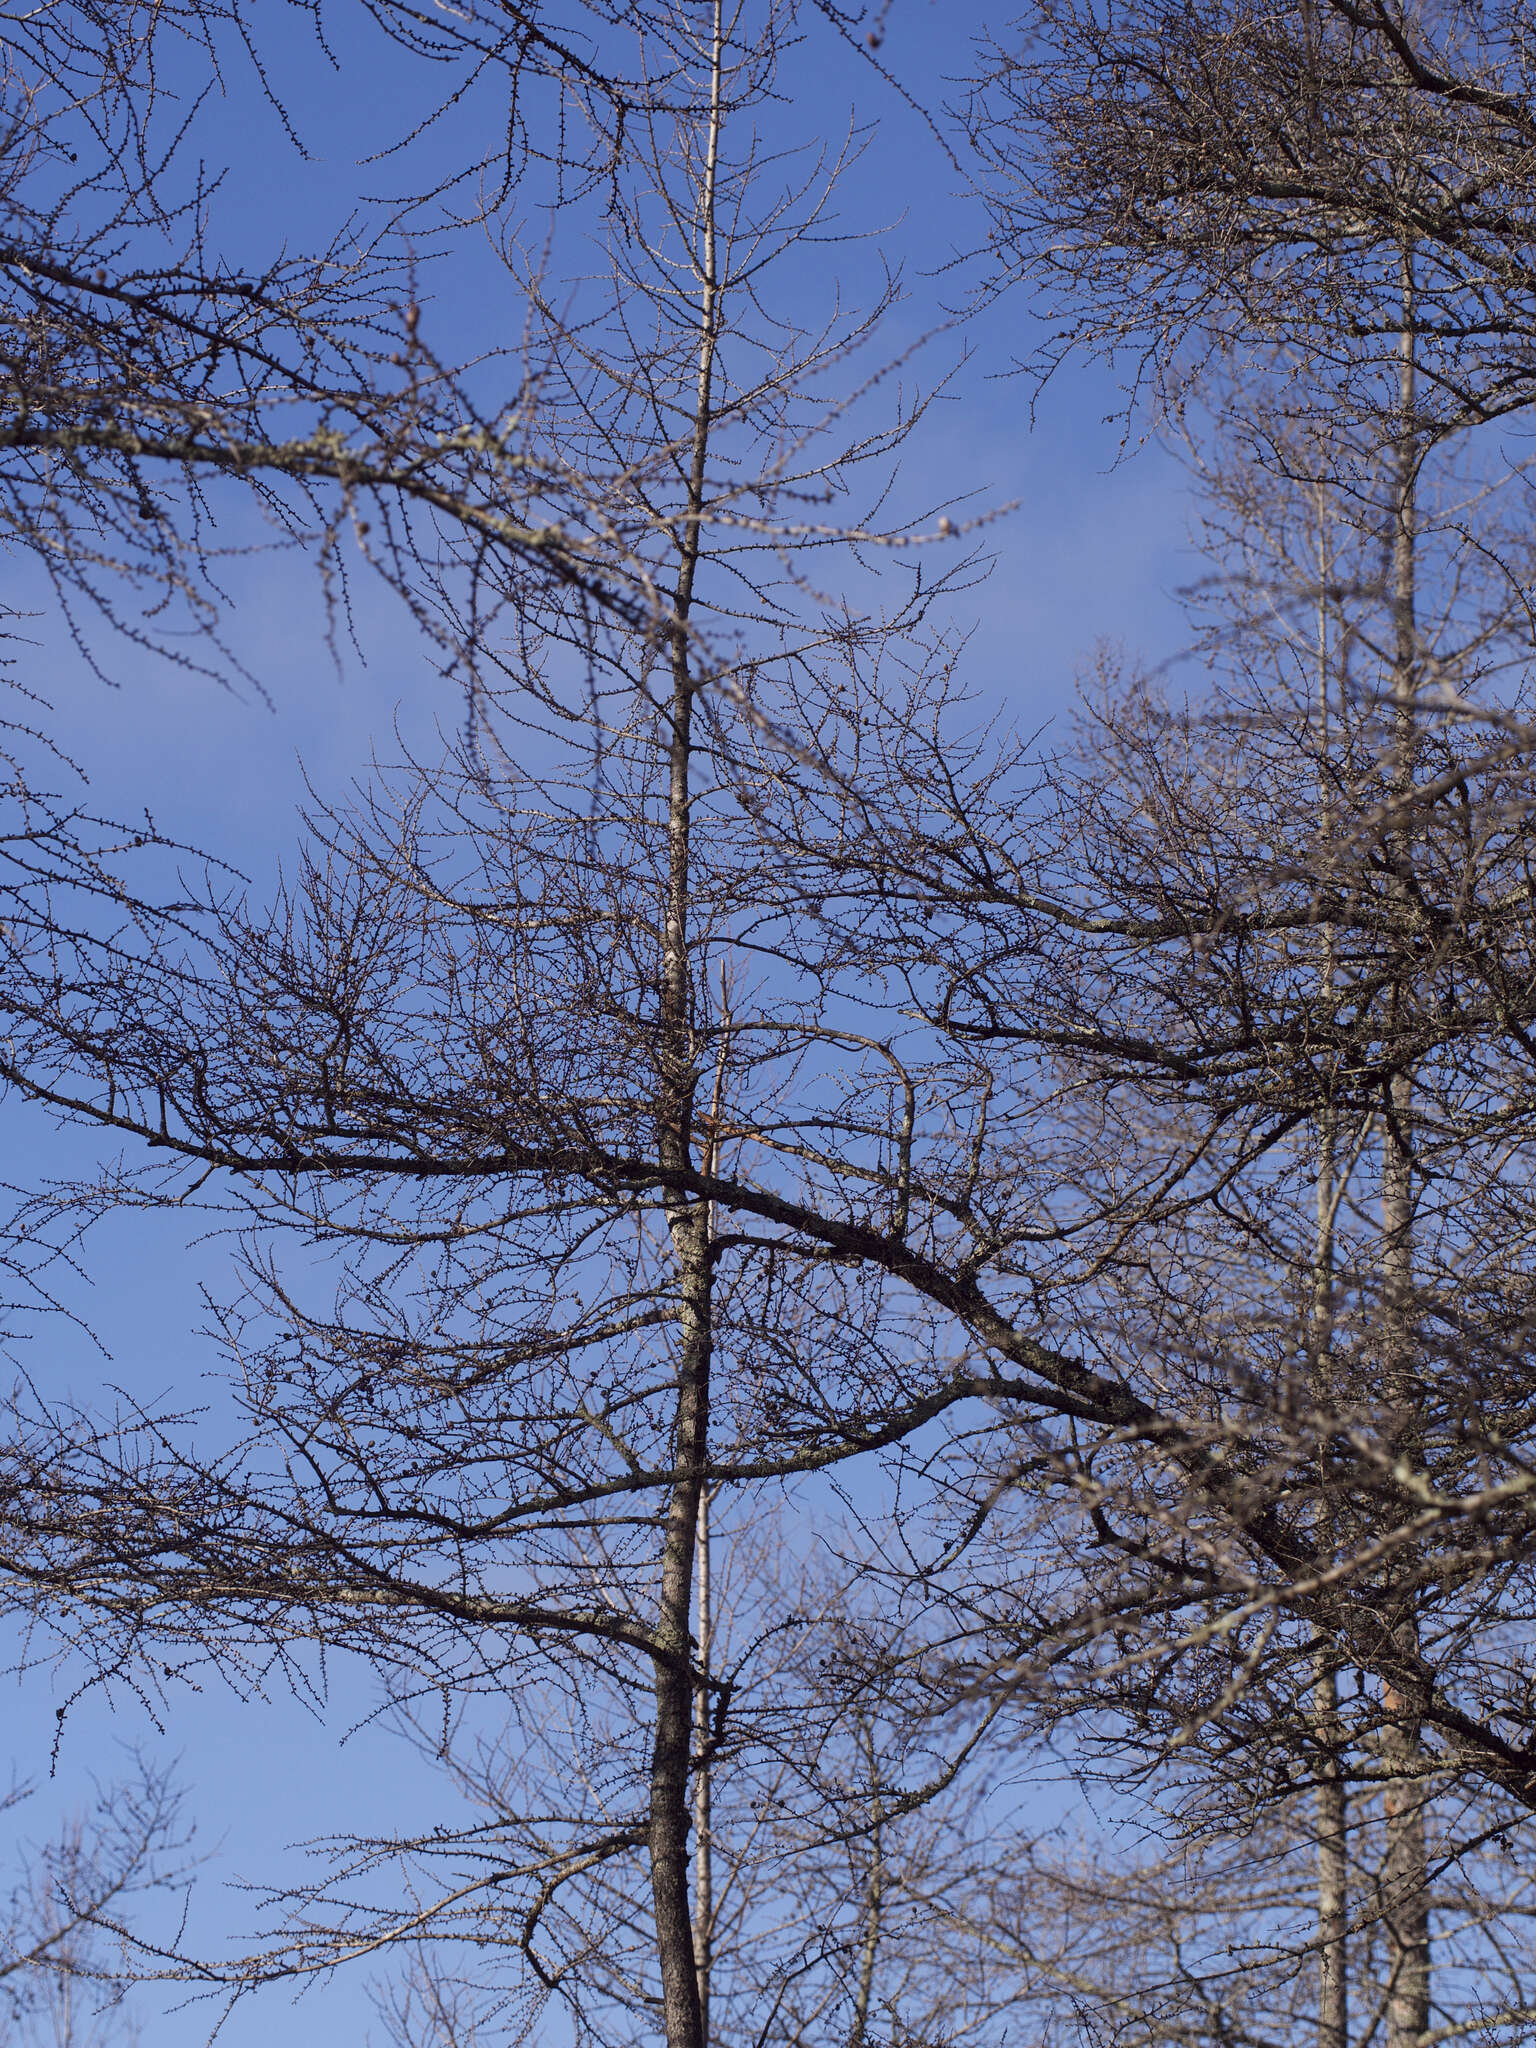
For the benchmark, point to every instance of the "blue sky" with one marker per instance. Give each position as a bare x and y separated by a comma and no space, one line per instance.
1092,550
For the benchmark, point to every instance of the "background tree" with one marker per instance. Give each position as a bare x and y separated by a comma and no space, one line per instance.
1306,220
1232,952
814,1913
69,1948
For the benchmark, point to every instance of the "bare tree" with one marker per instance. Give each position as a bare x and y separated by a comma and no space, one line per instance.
69,1948
1265,844
589,951
1308,220
1169,1922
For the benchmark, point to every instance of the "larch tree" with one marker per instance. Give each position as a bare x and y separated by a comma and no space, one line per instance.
1309,221
1239,851
489,1052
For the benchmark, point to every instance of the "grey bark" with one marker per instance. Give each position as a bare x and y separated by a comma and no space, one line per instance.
687,1218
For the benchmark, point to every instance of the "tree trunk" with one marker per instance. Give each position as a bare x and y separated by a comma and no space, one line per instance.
687,1220
703,1848
874,1904
1406,1882
1332,1805
1332,1811
1406,1872
672,1749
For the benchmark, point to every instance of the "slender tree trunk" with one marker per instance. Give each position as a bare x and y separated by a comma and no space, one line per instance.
1332,1822
1407,1882
1331,1804
874,1907
1332,1801
687,1220
671,1755
703,1847
1406,1875
703,1783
